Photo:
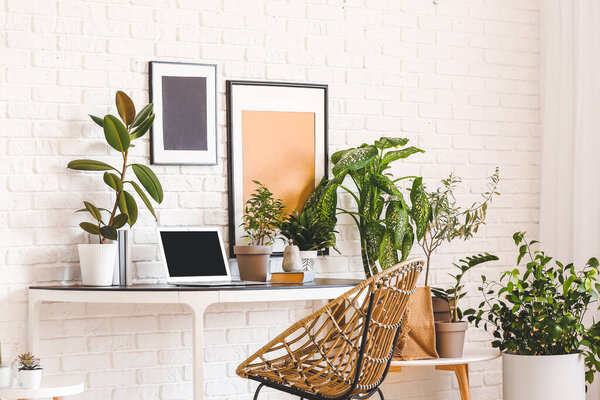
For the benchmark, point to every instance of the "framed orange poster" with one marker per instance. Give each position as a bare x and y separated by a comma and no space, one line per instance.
277,135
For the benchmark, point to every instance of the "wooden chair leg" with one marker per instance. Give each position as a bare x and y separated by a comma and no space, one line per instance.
462,376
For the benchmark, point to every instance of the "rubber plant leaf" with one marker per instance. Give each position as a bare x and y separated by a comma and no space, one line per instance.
144,198
113,181
89,165
125,107
355,159
142,115
420,207
99,121
90,228
398,154
387,142
143,128
116,134
92,209
109,232
119,221
149,181
127,205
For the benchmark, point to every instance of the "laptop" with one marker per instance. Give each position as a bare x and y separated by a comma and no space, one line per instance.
196,257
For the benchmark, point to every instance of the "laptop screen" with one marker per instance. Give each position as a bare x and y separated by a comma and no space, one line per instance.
193,253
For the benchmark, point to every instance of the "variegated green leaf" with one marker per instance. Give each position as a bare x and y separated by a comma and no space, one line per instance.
374,232
398,154
385,184
388,256
335,157
397,222
420,207
355,159
387,142
407,243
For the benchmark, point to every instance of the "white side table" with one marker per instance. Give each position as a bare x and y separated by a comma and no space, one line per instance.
50,387
460,366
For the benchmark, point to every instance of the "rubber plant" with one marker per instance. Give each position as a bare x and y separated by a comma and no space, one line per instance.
383,217
448,221
119,134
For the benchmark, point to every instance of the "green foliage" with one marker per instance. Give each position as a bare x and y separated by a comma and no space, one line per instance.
119,133
263,215
456,292
447,220
540,309
307,235
384,219
28,362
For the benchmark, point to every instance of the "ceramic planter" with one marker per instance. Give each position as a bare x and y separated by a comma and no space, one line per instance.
308,258
253,262
557,377
97,262
30,379
5,376
450,338
291,259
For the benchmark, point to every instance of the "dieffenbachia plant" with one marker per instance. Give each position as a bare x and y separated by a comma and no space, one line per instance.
383,217
119,134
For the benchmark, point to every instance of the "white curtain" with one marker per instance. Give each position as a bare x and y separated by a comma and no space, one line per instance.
570,94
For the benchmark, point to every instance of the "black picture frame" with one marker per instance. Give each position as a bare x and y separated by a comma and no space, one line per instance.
231,159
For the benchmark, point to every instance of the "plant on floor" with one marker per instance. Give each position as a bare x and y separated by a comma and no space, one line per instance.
119,134
299,229
456,292
28,362
540,309
448,221
263,215
383,217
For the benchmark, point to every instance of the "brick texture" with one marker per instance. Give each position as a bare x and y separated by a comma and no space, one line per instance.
460,79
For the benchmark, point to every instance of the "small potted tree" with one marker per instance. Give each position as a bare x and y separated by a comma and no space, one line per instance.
450,335
30,371
97,260
537,317
5,373
263,215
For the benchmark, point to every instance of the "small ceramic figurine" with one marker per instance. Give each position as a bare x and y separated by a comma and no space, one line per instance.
291,258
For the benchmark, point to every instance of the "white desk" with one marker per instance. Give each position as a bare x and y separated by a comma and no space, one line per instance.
50,387
197,298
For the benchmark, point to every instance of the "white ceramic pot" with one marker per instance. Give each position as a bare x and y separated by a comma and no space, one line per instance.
30,379
308,258
6,376
97,262
558,377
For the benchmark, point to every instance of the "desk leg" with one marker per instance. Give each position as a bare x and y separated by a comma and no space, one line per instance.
462,376
34,322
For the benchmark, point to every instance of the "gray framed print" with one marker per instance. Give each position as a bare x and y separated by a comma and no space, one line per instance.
185,103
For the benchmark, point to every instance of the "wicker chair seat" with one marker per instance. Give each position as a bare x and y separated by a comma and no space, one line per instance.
344,349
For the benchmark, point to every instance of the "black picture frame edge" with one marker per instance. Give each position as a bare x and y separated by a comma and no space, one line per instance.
150,94
229,103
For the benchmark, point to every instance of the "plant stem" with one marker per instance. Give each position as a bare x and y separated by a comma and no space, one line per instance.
114,210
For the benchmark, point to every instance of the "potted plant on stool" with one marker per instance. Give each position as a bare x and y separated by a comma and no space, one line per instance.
536,315
263,215
5,373
30,371
97,260
450,335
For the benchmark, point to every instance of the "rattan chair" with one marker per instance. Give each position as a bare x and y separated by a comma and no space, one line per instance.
342,351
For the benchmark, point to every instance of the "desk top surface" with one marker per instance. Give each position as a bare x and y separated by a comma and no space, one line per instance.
318,283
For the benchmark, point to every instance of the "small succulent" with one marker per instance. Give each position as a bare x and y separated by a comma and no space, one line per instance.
307,235
28,362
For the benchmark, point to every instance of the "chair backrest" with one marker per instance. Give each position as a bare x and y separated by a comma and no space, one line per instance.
345,347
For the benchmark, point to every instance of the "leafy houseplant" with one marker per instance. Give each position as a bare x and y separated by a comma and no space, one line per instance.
536,315
30,371
450,335
263,214
5,373
119,134
448,221
383,217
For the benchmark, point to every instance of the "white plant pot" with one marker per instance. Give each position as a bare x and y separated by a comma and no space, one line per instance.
30,379
6,376
97,262
557,377
308,258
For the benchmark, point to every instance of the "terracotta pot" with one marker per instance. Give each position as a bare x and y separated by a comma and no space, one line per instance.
450,338
441,310
253,262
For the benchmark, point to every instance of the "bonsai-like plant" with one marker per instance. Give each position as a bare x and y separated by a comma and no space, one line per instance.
263,215
119,134
28,362
307,235
448,221
383,217
540,309
456,292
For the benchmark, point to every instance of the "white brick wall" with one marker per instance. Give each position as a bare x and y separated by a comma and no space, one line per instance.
461,79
